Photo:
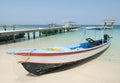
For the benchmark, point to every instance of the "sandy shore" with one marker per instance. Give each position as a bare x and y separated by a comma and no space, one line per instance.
97,70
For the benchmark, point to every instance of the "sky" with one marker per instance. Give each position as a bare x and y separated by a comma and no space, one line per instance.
58,11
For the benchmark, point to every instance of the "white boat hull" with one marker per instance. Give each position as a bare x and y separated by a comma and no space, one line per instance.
60,59
37,62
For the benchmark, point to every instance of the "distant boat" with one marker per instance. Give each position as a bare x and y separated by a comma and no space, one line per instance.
39,61
94,28
69,24
75,29
98,27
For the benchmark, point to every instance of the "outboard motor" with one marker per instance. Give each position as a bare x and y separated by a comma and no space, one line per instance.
106,37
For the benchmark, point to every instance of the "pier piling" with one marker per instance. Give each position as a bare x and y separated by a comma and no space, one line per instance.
28,35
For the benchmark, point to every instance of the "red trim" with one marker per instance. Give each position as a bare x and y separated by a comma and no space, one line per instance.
64,62
56,54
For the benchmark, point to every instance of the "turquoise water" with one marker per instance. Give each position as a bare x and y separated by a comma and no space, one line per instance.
71,38
114,51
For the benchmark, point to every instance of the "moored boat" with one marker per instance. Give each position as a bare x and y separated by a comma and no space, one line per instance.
93,28
39,61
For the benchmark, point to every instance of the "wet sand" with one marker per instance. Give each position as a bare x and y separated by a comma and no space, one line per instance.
93,70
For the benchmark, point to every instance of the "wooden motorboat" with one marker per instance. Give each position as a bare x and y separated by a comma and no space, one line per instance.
39,61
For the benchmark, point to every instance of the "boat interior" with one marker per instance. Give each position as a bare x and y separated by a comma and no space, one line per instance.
91,43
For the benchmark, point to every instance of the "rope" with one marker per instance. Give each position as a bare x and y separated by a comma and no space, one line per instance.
27,57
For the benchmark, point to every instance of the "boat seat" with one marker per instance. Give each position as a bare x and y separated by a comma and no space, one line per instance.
93,42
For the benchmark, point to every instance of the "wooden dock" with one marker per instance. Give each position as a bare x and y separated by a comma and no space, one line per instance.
42,31
47,31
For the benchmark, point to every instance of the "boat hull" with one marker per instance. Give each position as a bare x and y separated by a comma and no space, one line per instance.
37,65
59,58
39,69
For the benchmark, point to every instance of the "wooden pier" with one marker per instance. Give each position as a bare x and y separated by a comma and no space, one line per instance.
41,31
47,31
